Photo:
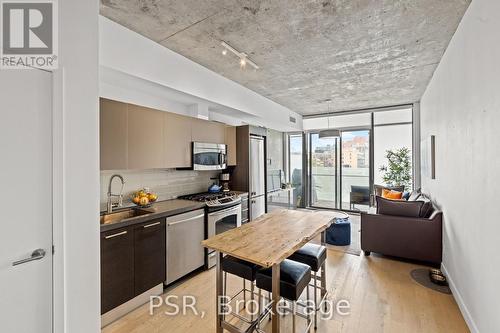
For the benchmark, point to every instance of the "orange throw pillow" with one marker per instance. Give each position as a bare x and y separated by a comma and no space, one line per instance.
392,195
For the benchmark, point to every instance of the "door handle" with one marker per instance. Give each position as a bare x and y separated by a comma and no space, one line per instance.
152,225
36,255
116,235
186,220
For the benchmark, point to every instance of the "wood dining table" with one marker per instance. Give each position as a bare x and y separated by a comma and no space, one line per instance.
267,241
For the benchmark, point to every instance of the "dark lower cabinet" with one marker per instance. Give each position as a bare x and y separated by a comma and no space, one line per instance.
117,268
133,260
149,256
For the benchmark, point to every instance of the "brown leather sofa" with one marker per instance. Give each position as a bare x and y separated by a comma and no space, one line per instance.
418,238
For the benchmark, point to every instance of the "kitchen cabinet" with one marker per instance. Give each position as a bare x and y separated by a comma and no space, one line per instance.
177,137
132,262
117,268
136,137
208,131
231,145
113,135
145,138
149,255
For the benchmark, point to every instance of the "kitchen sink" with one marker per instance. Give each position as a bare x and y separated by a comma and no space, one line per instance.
122,215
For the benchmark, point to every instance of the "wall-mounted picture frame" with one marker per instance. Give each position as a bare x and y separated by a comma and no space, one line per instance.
428,147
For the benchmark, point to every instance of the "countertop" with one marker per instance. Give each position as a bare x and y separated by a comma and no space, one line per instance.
272,237
159,209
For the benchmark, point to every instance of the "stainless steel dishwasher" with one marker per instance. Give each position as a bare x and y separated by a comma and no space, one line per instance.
185,232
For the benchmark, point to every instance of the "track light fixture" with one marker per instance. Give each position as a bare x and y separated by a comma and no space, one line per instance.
244,60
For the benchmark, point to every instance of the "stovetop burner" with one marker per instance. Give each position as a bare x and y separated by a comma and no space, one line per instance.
206,196
220,199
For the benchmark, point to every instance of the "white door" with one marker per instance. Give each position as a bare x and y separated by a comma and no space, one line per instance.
26,201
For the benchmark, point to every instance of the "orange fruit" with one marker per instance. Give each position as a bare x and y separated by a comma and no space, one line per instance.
136,200
143,201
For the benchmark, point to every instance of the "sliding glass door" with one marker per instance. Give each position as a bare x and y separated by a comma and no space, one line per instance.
355,172
323,171
339,170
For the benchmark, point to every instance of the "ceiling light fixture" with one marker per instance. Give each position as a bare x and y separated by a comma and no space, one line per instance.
243,63
330,132
244,60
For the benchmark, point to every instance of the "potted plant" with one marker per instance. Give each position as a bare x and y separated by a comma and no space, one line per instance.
398,170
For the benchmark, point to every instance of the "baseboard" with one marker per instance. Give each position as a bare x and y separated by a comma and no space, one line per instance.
461,304
121,310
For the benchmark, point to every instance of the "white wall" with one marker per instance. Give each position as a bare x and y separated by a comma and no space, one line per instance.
462,108
125,51
76,170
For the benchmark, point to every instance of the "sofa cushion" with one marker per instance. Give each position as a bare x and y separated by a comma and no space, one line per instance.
406,196
415,194
377,189
427,208
398,207
391,194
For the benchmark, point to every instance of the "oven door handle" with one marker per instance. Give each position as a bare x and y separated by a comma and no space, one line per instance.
235,208
186,220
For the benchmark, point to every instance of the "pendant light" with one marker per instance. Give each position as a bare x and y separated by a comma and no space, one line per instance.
330,132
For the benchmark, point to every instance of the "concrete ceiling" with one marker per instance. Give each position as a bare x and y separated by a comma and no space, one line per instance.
358,53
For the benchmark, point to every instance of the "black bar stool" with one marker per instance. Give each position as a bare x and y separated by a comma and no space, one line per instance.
294,278
314,256
245,270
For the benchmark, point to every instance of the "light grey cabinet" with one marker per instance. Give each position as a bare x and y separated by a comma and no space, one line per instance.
113,135
145,138
137,137
208,131
177,136
231,145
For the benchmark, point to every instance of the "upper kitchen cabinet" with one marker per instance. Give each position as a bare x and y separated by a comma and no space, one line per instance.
145,138
136,137
177,136
113,135
207,131
231,145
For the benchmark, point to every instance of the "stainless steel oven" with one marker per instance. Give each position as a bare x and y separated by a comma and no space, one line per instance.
220,221
209,156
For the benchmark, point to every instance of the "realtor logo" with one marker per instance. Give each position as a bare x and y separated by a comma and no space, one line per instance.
29,35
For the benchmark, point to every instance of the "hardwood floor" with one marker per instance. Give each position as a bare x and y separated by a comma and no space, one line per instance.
382,296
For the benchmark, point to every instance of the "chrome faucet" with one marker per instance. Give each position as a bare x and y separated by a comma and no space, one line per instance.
111,195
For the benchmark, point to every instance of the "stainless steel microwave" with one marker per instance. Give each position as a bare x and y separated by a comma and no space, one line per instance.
209,156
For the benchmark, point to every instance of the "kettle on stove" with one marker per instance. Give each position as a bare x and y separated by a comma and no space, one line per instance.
214,188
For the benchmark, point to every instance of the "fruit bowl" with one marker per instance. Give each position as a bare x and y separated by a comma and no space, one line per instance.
143,198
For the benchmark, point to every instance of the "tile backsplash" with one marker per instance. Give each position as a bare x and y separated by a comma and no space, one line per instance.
167,183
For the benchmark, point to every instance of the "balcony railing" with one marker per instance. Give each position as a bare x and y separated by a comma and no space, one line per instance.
323,189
